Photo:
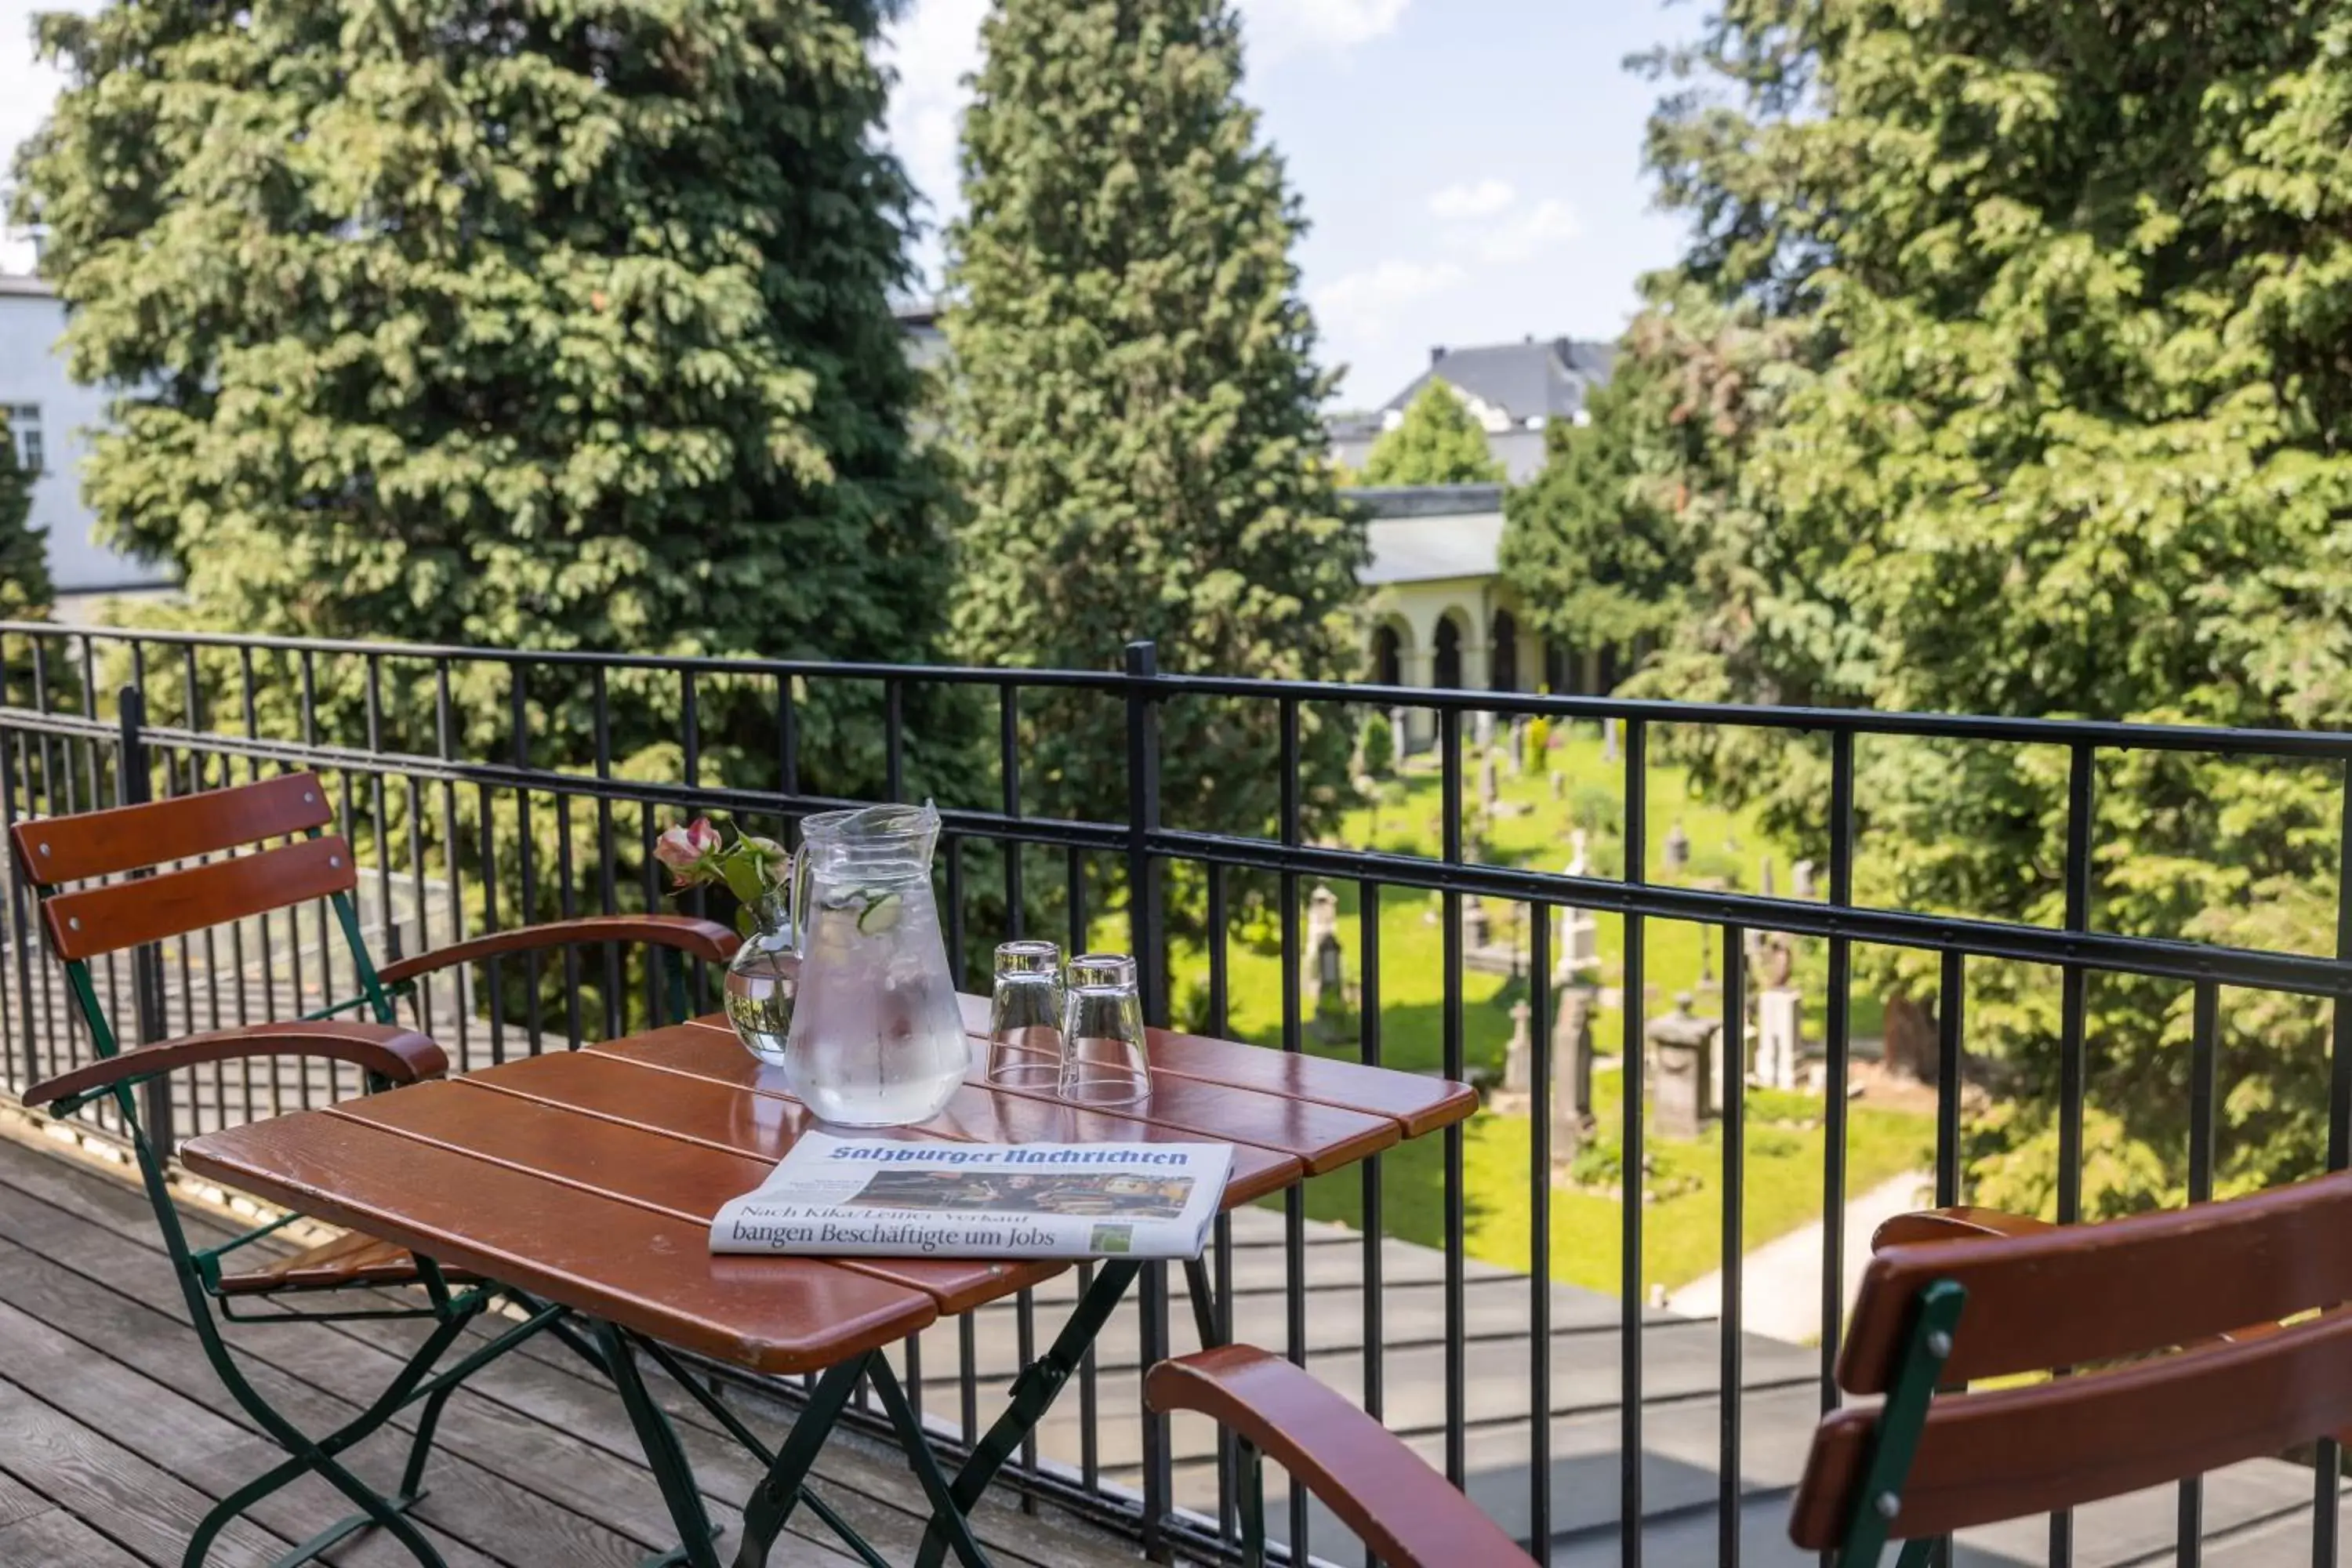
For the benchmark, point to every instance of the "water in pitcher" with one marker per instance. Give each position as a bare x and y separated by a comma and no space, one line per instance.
877,1035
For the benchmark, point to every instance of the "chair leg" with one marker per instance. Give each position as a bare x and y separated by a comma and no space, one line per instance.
420,1446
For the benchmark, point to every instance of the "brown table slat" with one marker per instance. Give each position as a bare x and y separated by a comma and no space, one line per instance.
764,1125
1417,1102
620,1262
1322,1137
679,1177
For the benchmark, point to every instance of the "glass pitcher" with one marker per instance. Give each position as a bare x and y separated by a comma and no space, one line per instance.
876,1037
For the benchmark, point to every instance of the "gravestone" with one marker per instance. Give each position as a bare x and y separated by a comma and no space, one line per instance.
1802,875
1324,983
1559,784
1680,1048
1397,731
1515,745
1779,1036
1677,849
1489,787
1608,739
1515,1058
1473,924
1578,948
1482,729
1572,1066
1768,890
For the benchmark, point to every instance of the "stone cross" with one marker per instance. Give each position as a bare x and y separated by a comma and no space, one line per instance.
1516,1071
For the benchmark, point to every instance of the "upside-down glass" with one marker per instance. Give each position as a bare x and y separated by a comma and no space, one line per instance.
1105,1060
1024,1016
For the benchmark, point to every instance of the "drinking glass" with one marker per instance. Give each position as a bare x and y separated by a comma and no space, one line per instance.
1024,1016
1105,1061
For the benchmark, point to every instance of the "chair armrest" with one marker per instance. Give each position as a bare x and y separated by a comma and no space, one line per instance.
403,1055
1405,1513
1957,1223
704,939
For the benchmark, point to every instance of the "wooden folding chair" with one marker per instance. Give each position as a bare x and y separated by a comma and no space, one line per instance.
2180,1342
69,860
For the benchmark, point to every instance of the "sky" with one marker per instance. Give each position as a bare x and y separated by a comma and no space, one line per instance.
1471,169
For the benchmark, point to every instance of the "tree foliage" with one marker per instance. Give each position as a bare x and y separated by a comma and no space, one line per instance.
555,328
1436,442
2023,326
1596,544
25,588
1138,420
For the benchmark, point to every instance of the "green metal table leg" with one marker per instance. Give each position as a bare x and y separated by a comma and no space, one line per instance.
772,1504
1033,1395
663,1451
945,1514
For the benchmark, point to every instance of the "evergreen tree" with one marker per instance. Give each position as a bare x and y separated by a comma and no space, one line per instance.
2027,332
24,555
546,328
1436,442
1592,543
1139,411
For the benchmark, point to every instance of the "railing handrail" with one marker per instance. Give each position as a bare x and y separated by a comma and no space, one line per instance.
2106,734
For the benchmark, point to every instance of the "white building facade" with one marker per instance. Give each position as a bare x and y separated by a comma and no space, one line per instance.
50,419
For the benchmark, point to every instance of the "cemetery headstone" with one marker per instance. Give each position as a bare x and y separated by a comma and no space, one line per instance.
1608,739
1397,729
1559,784
1572,1066
1516,1058
1779,1036
1681,1051
1769,891
1516,744
1323,986
1678,849
1482,729
1473,924
1801,876
1489,787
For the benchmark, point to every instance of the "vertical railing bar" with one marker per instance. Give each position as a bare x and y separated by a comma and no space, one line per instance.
2189,1541
894,741
1540,1148
1631,1308
567,905
2073,1066
1089,1453
526,857
2327,1456
599,704
1294,1197
492,978
444,743
1839,1065
1144,928
376,796
1732,1377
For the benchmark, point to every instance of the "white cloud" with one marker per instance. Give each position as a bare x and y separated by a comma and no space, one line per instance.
1282,27
1523,236
1363,303
1483,199
932,50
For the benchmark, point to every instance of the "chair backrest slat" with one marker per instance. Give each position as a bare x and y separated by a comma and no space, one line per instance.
2079,1294
55,849
116,915
2014,1452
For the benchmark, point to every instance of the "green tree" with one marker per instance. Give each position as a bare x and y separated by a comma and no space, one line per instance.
1593,543
2024,333
25,587
559,330
1436,442
1140,418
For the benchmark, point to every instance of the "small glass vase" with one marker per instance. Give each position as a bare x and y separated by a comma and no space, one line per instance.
763,980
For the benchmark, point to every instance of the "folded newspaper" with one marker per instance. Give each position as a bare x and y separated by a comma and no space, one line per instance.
887,1198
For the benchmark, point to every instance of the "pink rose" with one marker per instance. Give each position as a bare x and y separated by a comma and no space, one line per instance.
684,849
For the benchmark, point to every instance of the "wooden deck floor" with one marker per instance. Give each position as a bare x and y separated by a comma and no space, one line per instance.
115,1436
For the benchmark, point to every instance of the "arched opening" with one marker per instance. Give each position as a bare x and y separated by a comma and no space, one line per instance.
1388,656
1446,667
1563,670
1503,664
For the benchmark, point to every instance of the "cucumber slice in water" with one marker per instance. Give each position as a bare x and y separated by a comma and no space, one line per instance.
880,913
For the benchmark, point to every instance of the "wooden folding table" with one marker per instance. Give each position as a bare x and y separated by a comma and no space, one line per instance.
589,1180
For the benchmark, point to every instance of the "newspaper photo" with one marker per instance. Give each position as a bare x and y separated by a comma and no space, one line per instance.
889,1198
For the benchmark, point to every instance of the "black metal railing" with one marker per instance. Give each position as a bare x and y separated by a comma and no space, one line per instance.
482,787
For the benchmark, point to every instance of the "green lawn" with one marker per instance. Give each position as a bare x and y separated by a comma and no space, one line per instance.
1682,1234
1682,1231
